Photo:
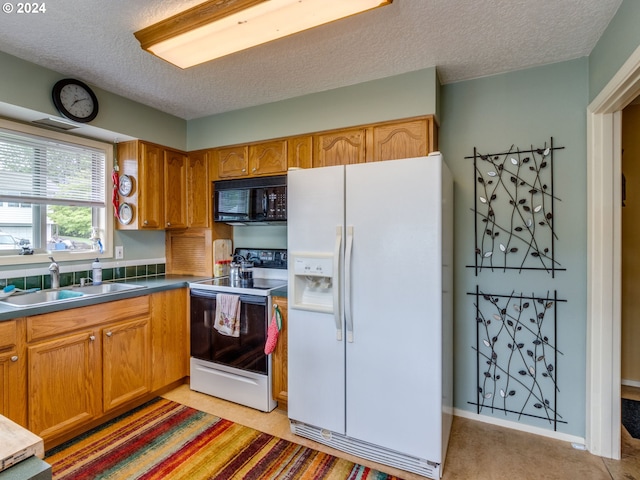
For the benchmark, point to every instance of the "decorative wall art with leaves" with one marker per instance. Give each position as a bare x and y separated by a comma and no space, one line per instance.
517,356
514,203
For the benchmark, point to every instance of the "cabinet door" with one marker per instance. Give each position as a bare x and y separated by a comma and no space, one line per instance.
64,383
279,358
151,184
300,152
175,189
12,387
13,375
169,334
198,190
232,161
125,362
268,158
400,140
343,147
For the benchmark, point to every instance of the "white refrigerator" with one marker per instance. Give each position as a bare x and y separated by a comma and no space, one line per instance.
370,309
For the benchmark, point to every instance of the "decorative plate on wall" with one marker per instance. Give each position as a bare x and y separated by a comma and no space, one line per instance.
125,213
126,185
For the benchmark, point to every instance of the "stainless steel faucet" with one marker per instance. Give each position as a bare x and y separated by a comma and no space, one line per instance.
54,268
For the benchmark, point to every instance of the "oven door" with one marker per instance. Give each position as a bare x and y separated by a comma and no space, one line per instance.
245,352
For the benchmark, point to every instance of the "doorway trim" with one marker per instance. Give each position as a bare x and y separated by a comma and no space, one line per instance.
604,258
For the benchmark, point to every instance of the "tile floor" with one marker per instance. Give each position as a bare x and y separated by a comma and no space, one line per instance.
477,450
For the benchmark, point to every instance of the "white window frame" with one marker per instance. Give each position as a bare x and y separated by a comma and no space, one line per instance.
107,223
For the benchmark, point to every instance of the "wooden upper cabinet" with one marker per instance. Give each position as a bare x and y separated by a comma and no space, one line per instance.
175,189
340,147
198,190
268,158
407,139
159,198
151,184
232,161
300,152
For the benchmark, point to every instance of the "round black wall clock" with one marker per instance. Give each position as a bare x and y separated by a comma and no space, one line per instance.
75,100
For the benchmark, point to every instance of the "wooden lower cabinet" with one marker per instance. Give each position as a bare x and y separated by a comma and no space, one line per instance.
170,337
10,386
126,363
76,378
92,362
64,386
279,358
13,376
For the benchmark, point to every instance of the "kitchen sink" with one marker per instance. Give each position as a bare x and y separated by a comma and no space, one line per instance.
47,297
105,288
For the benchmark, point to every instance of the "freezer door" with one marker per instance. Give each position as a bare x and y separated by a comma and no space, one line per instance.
316,362
394,298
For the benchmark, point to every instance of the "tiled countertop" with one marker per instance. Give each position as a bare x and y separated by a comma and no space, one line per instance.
152,285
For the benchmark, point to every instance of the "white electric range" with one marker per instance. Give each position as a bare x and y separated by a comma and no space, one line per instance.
236,368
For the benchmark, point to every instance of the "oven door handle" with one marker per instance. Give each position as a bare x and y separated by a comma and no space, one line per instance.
337,311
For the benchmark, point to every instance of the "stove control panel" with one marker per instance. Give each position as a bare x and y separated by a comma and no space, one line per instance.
263,258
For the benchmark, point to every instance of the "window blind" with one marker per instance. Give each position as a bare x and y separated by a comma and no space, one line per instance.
41,170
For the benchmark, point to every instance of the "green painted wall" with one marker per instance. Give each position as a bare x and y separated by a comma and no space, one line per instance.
617,43
400,96
27,85
523,108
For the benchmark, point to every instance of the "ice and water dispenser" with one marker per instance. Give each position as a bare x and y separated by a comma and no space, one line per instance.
312,283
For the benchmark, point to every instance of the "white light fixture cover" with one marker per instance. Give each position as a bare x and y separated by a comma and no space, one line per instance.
261,22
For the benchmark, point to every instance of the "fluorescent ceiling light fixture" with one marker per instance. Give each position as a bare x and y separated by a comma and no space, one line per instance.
217,28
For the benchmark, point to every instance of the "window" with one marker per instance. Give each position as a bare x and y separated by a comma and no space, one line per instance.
53,195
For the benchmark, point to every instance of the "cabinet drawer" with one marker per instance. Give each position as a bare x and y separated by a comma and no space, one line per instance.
65,321
8,335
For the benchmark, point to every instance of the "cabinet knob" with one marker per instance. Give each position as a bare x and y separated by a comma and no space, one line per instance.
168,224
14,358
92,337
109,334
146,222
254,169
244,169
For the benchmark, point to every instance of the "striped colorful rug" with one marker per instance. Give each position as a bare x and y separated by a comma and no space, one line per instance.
166,440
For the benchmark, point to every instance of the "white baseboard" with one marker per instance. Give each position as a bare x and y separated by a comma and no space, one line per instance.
630,383
519,426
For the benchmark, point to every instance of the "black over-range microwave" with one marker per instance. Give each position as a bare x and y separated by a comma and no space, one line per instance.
250,200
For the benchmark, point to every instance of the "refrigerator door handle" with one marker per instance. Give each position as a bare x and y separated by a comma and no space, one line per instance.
337,314
347,284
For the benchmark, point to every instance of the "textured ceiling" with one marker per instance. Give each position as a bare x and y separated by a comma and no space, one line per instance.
93,40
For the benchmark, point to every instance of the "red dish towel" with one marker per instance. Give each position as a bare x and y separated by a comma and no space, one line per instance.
273,331
227,320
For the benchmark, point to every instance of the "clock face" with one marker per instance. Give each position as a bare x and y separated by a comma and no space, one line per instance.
75,100
126,185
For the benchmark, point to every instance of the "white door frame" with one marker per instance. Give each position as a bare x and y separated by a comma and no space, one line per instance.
604,228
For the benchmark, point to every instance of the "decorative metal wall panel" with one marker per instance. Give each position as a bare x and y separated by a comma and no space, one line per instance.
517,355
514,203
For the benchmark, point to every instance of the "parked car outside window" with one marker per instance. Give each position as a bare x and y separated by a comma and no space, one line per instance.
7,242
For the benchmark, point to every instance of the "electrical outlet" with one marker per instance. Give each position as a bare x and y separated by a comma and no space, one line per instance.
119,252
